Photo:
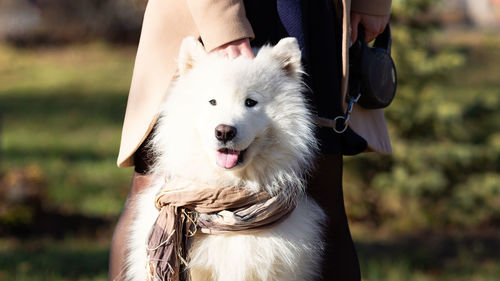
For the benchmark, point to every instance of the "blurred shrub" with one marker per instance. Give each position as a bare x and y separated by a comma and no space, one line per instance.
20,196
34,22
444,170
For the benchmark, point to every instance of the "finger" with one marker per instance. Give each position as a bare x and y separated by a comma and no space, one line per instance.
247,53
233,52
246,49
369,36
371,31
381,25
381,30
223,53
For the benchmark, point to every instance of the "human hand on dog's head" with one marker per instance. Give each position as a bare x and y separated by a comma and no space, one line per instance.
235,49
286,52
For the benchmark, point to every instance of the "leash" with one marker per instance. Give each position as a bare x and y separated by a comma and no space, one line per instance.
340,123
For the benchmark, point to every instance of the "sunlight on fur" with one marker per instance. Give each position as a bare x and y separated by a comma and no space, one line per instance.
237,123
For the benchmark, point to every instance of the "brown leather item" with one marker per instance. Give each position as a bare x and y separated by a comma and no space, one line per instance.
121,234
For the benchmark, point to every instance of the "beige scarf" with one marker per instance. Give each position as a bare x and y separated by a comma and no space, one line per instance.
214,210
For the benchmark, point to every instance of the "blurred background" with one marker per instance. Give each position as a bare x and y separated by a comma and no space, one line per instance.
430,211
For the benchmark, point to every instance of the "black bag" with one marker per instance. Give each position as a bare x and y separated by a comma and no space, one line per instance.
372,72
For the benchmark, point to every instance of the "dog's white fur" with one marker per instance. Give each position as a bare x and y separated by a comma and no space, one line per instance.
278,137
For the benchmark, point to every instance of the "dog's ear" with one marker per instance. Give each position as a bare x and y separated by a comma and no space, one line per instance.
287,52
190,52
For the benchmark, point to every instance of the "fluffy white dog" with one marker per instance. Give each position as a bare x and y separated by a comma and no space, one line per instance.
237,123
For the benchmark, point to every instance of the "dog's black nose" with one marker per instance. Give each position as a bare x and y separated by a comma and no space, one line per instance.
225,133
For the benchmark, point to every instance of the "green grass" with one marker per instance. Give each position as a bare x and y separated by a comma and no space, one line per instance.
61,115
45,259
452,257
61,111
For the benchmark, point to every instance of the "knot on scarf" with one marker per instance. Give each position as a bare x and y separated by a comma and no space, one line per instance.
211,211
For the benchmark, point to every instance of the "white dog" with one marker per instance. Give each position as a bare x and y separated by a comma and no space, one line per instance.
237,123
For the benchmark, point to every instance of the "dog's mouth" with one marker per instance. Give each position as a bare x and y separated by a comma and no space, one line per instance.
228,158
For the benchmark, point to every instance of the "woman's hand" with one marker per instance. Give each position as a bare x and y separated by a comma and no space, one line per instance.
374,25
235,49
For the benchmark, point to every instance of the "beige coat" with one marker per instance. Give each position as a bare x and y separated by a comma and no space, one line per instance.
217,22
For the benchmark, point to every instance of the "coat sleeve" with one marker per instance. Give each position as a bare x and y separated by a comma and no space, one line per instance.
372,7
220,21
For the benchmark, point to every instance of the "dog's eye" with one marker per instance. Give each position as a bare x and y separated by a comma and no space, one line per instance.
213,102
250,102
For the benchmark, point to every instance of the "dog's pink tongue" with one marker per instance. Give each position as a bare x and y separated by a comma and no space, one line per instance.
227,159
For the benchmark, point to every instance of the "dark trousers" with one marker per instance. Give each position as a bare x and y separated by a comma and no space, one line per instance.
325,186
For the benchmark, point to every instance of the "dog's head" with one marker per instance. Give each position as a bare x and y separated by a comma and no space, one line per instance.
237,120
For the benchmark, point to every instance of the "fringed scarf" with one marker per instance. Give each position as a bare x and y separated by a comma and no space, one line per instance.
215,210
